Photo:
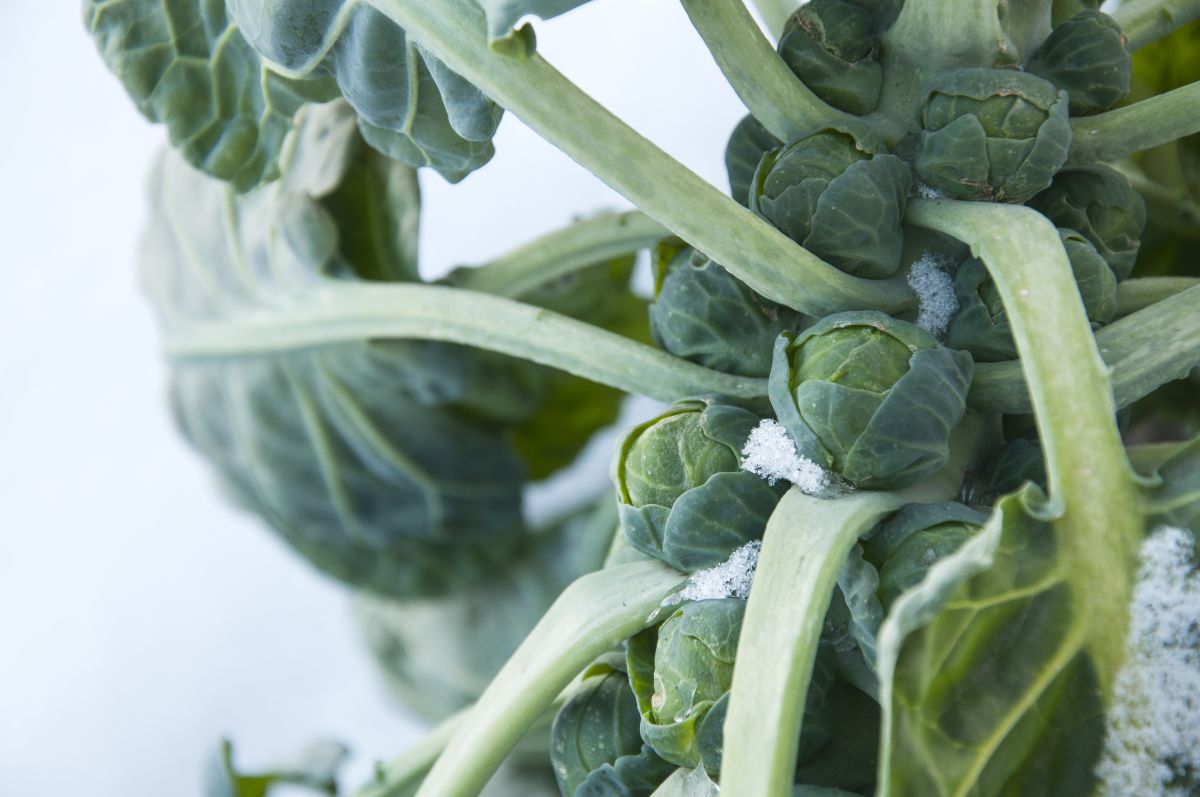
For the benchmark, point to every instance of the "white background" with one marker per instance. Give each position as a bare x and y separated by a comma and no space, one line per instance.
141,619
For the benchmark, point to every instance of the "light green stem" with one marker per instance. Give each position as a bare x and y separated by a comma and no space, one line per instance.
748,247
1157,120
1091,484
583,244
1138,294
776,97
1145,21
341,312
1144,350
592,615
401,776
806,542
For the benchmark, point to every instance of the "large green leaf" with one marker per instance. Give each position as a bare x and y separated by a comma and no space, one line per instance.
986,668
410,105
185,64
372,458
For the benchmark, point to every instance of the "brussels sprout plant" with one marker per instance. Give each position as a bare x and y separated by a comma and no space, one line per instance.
919,513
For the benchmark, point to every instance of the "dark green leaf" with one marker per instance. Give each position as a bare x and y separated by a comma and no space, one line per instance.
411,107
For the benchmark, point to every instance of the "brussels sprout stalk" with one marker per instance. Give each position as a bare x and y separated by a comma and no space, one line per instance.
1094,502
595,613
1138,294
561,252
1145,21
747,246
771,92
806,542
1133,128
351,311
1144,350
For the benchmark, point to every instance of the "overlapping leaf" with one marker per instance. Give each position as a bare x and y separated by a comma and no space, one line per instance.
410,105
368,456
507,35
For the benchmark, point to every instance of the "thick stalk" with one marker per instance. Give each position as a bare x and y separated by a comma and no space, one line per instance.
583,244
592,615
401,776
1144,351
1157,120
751,249
1091,484
341,312
806,542
1145,21
770,91
1138,294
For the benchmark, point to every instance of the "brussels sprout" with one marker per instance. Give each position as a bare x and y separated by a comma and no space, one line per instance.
831,46
681,672
1086,56
869,397
595,745
994,134
836,199
747,144
703,313
981,324
681,493
1101,204
905,546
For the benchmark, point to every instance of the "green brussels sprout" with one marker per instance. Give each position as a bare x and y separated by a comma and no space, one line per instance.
869,397
837,200
1101,204
681,494
995,134
747,144
595,743
831,46
981,324
909,543
703,313
1088,57
681,672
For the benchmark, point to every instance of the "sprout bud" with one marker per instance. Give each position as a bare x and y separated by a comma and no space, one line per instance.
1088,57
831,46
994,134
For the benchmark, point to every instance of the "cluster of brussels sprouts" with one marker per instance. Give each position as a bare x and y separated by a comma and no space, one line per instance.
870,398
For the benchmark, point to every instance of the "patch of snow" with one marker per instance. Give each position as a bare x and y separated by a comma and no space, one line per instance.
770,453
1152,744
926,191
730,579
935,290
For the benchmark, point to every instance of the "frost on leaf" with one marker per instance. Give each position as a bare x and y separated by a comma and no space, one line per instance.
1152,744
730,579
935,290
770,453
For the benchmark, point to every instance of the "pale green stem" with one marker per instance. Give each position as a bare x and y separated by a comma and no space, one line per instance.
748,247
765,84
401,776
1027,23
583,244
595,613
1091,484
1144,350
1157,120
1138,294
341,312
805,544
1145,21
